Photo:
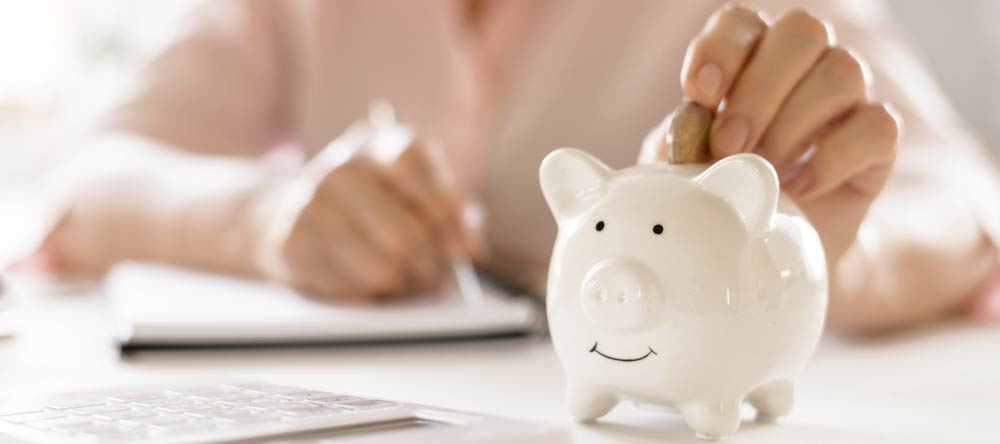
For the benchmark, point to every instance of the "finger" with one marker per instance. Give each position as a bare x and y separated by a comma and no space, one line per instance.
859,152
416,176
420,173
654,146
472,224
370,272
357,189
419,250
426,266
309,268
423,266
351,247
435,269
785,53
378,214
324,289
835,85
717,55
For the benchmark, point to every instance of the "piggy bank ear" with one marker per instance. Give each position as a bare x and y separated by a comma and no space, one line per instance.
570,178
748,182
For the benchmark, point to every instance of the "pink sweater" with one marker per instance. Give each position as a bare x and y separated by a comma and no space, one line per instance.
536,75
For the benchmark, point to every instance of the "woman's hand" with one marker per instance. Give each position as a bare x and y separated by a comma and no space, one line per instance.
357,226
784,90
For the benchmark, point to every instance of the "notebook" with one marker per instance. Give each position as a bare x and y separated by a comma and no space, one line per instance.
157,306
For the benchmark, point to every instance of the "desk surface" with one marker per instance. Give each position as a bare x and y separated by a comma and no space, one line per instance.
940,384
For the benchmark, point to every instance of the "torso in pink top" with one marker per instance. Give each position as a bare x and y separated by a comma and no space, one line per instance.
530,77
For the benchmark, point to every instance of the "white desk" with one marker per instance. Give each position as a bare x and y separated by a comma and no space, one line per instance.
937,385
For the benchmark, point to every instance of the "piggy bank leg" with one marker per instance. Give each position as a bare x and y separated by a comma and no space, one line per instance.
773,399
587,401
714,420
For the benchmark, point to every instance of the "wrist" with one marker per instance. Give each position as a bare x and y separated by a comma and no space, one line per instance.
70,252
864,295
91,235
270,214
881,284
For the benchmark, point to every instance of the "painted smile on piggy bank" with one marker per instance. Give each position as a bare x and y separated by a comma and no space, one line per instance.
613,358
686,285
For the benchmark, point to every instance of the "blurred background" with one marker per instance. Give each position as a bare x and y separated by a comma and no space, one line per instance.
64,60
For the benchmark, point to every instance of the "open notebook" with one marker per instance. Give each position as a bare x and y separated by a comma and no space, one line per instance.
156,306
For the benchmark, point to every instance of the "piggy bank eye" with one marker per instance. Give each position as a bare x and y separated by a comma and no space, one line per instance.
658,229
600,225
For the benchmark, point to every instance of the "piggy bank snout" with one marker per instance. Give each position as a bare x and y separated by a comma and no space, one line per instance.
622,294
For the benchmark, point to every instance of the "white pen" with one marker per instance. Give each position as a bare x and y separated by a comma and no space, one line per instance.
467,281
382,116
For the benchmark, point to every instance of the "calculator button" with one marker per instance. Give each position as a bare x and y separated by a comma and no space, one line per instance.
105,408
73,403
38,415
69,422
125,414
136,397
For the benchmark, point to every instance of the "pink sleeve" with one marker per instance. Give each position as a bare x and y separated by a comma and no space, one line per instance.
216,87
939,158
935,142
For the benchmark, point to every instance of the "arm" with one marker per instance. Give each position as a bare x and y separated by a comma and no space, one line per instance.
926,246
173,178
152,184
160,204
903,214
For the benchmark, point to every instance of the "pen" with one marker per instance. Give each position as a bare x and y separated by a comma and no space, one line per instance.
467,281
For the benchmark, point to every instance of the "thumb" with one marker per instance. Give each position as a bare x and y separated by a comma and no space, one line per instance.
986,305
468,237
474,231
654,146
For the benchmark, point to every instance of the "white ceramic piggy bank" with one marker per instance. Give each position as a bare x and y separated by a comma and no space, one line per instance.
682,286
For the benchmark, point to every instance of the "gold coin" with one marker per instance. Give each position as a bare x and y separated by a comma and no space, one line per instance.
687,133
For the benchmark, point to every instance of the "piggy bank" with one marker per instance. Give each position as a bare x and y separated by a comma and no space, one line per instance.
688,286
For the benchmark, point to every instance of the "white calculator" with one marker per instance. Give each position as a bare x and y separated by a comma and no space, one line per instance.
248,412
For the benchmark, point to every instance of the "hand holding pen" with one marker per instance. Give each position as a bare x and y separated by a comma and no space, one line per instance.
459,246
375,215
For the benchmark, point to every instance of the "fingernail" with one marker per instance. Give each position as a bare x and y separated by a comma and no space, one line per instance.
986,306
731,134
796,180
991,309
709,79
